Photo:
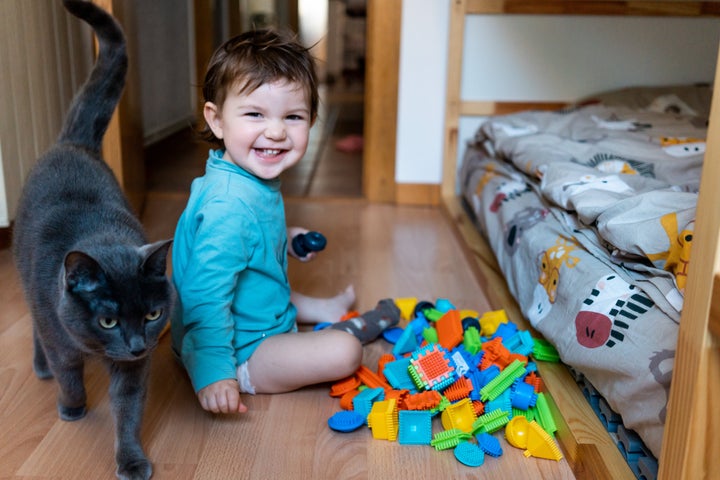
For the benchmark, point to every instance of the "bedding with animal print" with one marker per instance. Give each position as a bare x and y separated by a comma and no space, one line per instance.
598,265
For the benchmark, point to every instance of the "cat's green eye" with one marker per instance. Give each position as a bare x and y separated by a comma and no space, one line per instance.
107,322
154,315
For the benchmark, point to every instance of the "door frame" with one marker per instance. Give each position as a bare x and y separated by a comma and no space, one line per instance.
381,99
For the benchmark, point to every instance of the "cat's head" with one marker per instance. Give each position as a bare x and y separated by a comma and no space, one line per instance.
116,300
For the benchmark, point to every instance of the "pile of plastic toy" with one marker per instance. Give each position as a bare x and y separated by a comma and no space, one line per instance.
475,371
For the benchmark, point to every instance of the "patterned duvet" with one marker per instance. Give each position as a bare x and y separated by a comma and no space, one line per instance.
590,213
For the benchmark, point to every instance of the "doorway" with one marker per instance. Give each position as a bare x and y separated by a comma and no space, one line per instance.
332,166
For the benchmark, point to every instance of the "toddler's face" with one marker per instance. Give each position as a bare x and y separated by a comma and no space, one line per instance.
265,131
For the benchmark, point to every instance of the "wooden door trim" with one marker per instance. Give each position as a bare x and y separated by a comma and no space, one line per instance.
381,99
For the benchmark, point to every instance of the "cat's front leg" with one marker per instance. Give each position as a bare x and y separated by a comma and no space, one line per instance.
128,387
67,367
40,365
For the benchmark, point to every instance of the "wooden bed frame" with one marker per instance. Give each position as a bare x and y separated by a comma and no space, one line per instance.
691,442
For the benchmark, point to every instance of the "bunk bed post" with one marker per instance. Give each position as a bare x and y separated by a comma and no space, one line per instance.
452,103
691,441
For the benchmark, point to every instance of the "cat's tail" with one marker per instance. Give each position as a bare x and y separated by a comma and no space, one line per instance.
93,106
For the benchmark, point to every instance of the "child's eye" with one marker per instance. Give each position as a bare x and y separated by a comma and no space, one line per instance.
295,117
253,114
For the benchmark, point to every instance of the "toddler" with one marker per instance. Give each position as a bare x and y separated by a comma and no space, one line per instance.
234,328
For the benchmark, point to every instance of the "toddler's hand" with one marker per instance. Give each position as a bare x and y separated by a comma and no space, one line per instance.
222,397
292,233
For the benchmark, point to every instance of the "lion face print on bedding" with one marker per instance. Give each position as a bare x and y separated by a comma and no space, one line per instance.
609,311
550,262
677,257
682,147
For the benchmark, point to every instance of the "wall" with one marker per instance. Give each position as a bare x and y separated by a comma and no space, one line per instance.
524,58
165,48
44,57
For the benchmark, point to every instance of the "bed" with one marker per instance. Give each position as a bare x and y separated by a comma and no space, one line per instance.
581,219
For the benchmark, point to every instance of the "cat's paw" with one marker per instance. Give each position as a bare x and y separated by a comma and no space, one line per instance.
138,469
43,373
70,414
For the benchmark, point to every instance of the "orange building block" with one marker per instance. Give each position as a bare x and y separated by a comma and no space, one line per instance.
371,379
449,329
458,390
384,358
423,401
346,401
341,387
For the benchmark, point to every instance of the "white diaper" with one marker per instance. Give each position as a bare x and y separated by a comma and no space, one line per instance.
243,378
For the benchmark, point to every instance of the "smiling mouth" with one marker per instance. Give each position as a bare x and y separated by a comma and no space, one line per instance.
269,152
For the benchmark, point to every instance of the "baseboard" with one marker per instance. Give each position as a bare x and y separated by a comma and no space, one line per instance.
424,194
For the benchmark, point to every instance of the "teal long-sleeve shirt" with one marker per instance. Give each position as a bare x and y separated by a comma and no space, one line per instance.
229,264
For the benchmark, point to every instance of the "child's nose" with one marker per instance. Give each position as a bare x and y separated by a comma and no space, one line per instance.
276,131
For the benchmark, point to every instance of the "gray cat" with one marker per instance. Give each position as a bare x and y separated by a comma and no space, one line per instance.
93,283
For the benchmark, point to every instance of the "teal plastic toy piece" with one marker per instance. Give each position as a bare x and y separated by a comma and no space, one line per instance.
415,427
469,454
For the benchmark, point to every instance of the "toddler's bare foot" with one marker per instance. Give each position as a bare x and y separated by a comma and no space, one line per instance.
324,310
339,305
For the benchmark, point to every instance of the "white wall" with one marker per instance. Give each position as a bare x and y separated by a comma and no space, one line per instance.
162,30
421,91
526,58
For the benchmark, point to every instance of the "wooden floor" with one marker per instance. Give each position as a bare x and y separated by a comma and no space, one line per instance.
385,251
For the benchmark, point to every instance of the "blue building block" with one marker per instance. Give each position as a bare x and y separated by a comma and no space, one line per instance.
415,427
362,403
397,374
406,343
505,331
444,305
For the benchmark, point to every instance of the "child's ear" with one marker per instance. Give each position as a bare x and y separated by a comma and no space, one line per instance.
212,115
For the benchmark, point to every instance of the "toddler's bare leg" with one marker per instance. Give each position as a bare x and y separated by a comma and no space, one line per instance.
286,362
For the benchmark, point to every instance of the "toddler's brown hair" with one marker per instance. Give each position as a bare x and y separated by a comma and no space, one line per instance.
255,58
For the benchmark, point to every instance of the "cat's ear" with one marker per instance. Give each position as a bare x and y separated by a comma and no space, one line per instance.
82,272
155,258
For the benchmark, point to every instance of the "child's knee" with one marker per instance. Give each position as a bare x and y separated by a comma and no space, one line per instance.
348,352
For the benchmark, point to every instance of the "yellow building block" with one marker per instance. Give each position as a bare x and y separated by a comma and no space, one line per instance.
460,415
490,321
406,306
383,420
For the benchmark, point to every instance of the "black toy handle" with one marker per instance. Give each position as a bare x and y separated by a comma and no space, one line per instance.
304,243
